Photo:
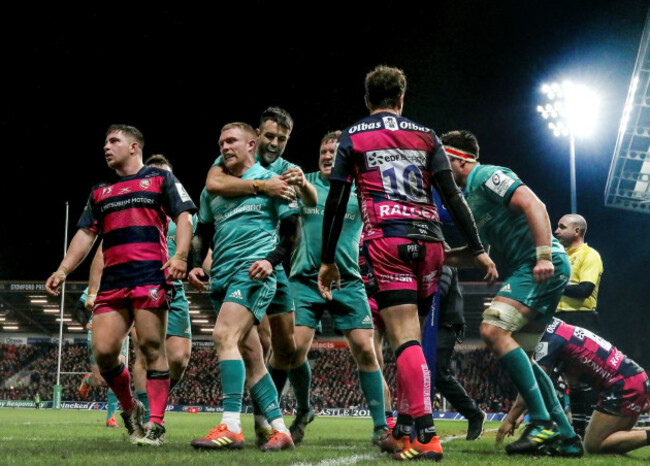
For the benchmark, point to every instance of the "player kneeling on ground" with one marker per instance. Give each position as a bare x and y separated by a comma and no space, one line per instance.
584,357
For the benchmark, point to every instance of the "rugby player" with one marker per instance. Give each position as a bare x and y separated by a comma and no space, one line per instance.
178,340
514,222
394,163
131,214
622,386
348,307
276,329
245,257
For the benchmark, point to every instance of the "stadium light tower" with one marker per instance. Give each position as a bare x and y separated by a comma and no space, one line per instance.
571,110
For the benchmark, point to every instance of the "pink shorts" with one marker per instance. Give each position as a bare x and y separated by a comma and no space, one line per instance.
626,397
139,297
401,264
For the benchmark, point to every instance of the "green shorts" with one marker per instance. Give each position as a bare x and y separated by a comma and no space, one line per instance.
349,306
256,296
282,301
541,297
124,351
178,319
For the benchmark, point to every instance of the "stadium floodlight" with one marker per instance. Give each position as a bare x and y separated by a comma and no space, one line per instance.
572,110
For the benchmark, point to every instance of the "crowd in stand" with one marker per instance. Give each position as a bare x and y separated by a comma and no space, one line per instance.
334,385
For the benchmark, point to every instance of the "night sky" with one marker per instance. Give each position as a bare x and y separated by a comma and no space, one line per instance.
180,74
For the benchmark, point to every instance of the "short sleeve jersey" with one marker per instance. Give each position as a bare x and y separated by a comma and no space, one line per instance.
583,355
488,192
305,260
586,266
246,227
131,215
392,161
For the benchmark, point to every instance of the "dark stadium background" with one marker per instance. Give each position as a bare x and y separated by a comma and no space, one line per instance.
178,74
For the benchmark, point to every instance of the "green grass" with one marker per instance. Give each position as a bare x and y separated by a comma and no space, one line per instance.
45,437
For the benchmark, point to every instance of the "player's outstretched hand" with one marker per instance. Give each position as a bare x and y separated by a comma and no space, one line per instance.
484,261
260,270
278,187
196,278
543,270
328,276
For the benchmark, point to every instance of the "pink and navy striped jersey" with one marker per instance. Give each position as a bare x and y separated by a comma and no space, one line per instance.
392,161
583,355
132,216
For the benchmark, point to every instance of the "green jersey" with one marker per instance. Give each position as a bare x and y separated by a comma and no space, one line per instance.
278,167
488,193
246,227
305,260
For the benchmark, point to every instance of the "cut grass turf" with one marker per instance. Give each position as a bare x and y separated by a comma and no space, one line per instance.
49,437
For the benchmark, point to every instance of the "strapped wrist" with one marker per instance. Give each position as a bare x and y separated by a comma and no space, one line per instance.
543,253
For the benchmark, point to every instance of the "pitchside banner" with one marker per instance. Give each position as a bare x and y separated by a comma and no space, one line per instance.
326,412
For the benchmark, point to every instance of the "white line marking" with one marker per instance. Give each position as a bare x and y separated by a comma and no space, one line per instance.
336,461
356,458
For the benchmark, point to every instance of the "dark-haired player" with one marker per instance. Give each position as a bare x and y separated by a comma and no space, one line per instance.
622,385
514,222
131,215
394,163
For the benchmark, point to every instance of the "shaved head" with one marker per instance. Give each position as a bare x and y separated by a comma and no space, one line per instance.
576,221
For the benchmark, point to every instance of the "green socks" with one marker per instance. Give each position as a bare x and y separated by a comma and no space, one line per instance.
300,379
552,403
111,406
266,397
518,366
372,386
233,377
